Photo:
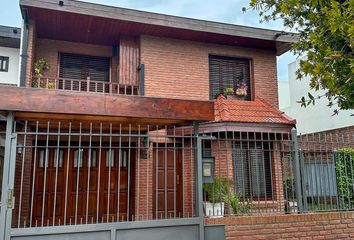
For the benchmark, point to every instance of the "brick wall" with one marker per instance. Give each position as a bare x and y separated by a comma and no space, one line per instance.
173,68
180,69
31,50
294,226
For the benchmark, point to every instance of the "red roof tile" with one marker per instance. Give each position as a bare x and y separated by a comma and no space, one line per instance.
258,111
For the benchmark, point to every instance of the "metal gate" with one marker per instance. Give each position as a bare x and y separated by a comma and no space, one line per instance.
7,193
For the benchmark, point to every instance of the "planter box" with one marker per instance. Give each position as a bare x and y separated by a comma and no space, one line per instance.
214,209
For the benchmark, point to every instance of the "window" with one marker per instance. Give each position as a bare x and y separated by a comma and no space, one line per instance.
93,158
206,148
4,64
42,159
78,158
229,76
123,158
60,158
110,158
252,169
78,66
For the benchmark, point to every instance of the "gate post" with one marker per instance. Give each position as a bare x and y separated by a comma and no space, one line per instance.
7,198
199,181
297,172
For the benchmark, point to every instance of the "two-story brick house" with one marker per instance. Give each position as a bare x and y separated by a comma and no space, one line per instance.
112,129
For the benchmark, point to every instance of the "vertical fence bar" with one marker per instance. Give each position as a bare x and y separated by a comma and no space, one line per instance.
57,156
88,173
22,170
147,171
138,174
45,172
67,174
199,181
110,159
120,160
129,162
34,172
99,175
78,173
297,170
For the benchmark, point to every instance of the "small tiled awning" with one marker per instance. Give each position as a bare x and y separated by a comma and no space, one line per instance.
257,111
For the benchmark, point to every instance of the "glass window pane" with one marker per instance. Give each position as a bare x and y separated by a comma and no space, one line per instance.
110,157
93,158
61,155
76,158
42,158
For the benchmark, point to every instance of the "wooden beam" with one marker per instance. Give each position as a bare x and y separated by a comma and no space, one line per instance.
93,104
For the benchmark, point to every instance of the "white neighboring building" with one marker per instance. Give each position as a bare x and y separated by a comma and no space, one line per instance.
312,119
9,54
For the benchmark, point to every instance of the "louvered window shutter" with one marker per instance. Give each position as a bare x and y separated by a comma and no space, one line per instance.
228,73
252,169
76,66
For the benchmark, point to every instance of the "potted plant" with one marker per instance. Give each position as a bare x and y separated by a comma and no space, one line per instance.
229,91
234,200
242,90
216,192
39,67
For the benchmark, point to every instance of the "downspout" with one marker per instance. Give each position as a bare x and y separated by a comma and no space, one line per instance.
23,49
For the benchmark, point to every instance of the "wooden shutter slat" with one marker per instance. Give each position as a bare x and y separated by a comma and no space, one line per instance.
78,66
226,72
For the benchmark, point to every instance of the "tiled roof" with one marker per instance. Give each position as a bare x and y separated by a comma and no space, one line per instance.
257,111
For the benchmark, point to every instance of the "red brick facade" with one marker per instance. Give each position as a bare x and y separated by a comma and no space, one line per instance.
338,225
180,69
173,68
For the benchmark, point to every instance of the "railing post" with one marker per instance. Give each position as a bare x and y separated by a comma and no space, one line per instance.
199,181
142,79
297,172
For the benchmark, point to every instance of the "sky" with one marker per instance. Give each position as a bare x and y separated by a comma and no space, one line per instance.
228,11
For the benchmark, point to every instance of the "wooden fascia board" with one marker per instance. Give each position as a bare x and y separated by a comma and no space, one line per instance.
56,101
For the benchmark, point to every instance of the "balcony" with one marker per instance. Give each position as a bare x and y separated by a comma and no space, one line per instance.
79,85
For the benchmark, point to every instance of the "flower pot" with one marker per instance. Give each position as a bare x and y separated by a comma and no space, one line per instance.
214,209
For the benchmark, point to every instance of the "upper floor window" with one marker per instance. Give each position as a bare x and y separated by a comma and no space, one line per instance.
4,64
77,66
229,76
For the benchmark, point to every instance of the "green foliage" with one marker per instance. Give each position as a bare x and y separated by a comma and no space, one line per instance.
39,67
218,189
237,205
326,38
345,176
289,187
222,190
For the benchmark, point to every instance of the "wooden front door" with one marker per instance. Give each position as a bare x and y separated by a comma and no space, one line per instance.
92,187
50,168
167,183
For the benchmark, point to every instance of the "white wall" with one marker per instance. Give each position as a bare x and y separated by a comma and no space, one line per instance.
313,118
10,77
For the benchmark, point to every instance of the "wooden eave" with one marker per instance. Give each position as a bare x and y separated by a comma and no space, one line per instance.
95,20
56,104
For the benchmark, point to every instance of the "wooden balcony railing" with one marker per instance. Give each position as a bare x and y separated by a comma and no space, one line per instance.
87,85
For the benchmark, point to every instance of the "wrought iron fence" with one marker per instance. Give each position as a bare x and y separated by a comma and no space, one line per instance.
268,172
252,173
327,171
82,172
70,173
